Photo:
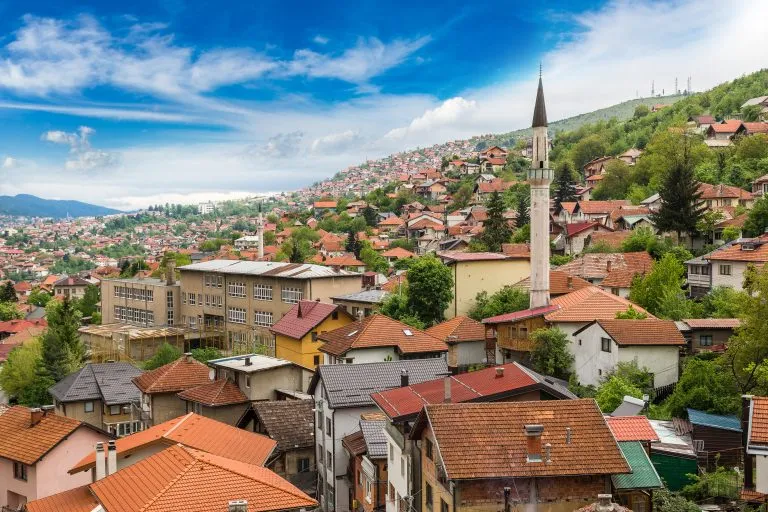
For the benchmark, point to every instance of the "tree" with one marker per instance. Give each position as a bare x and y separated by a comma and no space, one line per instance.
166,353
703,385
666,501
523,212
462,197
660,290
298,247
430,289
206,354
550,354
631,314
87,304
757,219
565,185
616,181
641,111
507,300
751,113
370,216
63,351
707,223
36,393
496,231
611,393
8,293
681,207
587,149
38,297
724,302
19,371
642,239
374,261
353,244
10,311
396,306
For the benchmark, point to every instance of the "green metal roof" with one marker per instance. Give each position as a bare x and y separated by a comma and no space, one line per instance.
643,474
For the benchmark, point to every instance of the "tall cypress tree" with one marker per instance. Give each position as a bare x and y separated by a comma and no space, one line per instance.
680,198
496,231
565,185
523,211
62,349
8,292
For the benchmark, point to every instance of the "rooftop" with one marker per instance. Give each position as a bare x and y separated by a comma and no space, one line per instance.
644,475
649,331
372,296
181,374
303,317
758,421
268,268
458,329
110,382
631,428
217,393
712,323
375,439
289,422
720,421
249,363
560,283
588,304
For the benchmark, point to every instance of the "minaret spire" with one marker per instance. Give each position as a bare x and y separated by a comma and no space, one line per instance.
260,233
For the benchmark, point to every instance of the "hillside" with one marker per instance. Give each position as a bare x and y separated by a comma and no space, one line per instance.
32,206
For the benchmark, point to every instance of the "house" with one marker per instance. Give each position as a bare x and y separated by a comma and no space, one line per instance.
342,393
510,332
724,130
247,242
191,430
729,262
220,399
673,455
296,333
475,272
597,211
261,377
397,253
707,334
35,446
378,338
484,189
11,327
601,345
367,474
572,241
320,208
560,283
70,287
754,421
363,303
630,156
699,276
102,395
346,261
718,196
477,456
465,338
594,267
702,123
181,478
159,388
717,439
761,101
291,424
596,166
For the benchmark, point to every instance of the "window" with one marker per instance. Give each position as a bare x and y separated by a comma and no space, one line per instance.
693,269
605,344
329,460
444,506
705,340
19,471
88,406
391,453
314,335
725,270
319,421
615,291
705,271
114,410
169,306
428,495
316,360
237,315
262,318
328,425
236,289
402,466
207,300
291,295
262,292
335,315
192,299
428,448
302,465
199,299
183,297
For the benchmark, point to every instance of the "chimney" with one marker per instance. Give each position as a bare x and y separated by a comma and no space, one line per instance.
188,357
547,453
499,372
608,266
298,311
533,433
447,390
101,462
403,378
111,457
248,361
570,282
237,506
46,409
567,435
604,503
170,273
35,415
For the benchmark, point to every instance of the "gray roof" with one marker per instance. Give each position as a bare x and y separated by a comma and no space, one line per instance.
268,268
651,199
289,422
351,385
375,440
142,280
540,110
755,101
110,382
369,296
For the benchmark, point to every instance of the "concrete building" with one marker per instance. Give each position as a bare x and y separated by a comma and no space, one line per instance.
206,208
540,177
261,377
70,287
146,302
234,303
247,242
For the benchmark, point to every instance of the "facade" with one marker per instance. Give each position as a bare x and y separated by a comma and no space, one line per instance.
245,243
367,475
465,338
236,302
261,377
102,395
717,439
220,400
707,334
362,303
729,262
142,302
754,421
70,287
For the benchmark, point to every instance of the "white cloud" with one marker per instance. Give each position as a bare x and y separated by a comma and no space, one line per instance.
82,156
320,39
336,142
451,112
9,163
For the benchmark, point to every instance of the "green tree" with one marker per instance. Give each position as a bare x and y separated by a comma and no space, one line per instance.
63,351
166,353
462,197
205,354
370,216
38,297
353,244
299,247
396,306
631,314
587,149
523,212
724,302
550,354
730,233
703,385
616,181
565,185
642,239
641,111
657,289
430,289
611,393
9,311
707,223
757,219
36,393
88,303
19,371
374,261
507,300
8,293
496,231
666,501
751,113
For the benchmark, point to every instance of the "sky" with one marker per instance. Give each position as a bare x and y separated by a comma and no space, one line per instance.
127,104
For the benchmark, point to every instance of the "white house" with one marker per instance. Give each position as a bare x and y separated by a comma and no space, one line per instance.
653,344
729,262
247,242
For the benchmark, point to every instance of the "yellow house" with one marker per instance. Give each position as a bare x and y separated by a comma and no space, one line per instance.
475,272
296,333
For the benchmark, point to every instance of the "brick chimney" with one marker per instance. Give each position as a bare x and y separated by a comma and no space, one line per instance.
533,433
403,378
35,415
569,280
499,372
101,462
608,266
188,357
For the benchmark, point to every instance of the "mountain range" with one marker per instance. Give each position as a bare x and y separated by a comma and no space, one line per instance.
25,205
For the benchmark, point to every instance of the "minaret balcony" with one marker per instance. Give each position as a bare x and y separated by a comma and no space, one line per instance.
541,176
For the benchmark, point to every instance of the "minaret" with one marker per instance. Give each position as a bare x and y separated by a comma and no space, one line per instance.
540,176
260,233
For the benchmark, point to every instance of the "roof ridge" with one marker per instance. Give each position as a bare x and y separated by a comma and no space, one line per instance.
174,480
173,428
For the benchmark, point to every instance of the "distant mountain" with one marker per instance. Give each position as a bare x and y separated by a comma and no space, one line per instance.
25,205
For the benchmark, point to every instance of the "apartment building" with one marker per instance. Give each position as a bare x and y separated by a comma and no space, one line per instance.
145,302
241,300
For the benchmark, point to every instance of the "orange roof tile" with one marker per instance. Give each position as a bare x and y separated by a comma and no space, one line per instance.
395,282
392,220
631,428
620,278
560,283
735,252
181,374
588,304
650,331
758,421
719,191
399,253
613,239
516,250
568,206
215,394
196,432
598,207
379,331
712,323
457,330
488,440
346,260
79,499
303,317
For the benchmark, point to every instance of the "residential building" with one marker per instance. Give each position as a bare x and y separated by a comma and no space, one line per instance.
70,287
247,242
297,332
11,327
560,283
146,302
160,387
102,395
261,377
760,186
367,474
182,478
699,276
206,208
754,421
378,338
630,156
707,334
219,399
717,439
475,272
510,332
601,345
719,196
729,262
36,445
465,338
555,452
191,430
342,393
237,302
363,303
596,267
320,208
572,241
724,130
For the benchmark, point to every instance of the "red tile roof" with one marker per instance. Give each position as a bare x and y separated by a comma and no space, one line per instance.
723,191
458,329
631,428
758,422
712,323
588,304
196,432
15,326
735,253
568,206
756,127
79,499
183,373
560,283
579,227
399,253
392,220
458,256
601,207
303,317
215,394
613,239
427,223
521,315
496,185
345,260
516,250
379,331
598,265
620,278
488,440
324,204
729,126
649,331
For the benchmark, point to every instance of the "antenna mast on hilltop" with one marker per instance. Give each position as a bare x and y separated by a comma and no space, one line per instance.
676,89
653,88
689,85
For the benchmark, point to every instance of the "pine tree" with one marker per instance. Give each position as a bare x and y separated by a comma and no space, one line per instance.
353,244
496,231
8,293
681,207
63,351
523,212
565,185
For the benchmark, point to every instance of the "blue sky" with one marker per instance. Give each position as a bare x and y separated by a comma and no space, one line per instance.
181,100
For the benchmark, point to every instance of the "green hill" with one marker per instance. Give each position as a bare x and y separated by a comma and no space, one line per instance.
25,205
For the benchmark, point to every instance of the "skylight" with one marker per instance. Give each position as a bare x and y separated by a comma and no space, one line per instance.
351,334
407,332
